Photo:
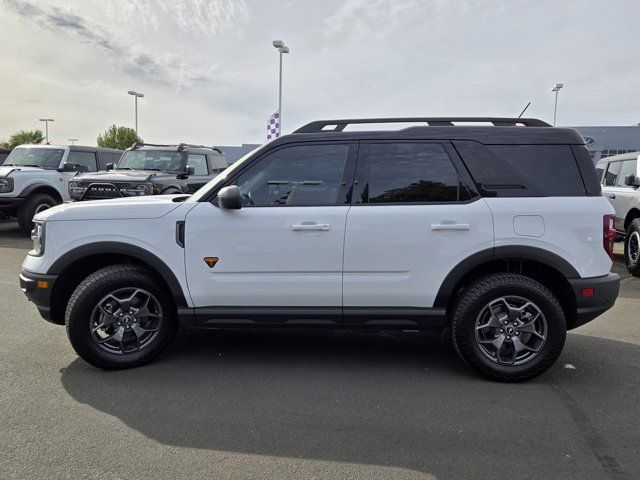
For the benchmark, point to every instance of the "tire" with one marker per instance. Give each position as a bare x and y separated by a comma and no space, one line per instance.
475,346
153,333
632,248
33,204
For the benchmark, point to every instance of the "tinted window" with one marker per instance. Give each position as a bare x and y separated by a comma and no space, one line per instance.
218,162
199,164
85,160
410,173
294,176
611,176
628,168
552,169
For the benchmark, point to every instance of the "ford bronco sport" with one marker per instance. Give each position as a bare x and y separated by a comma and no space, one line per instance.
620,181
148,169
35,177
497,232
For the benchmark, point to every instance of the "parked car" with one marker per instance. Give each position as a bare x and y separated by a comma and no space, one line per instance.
498,233
620,179
4,153
148,169
34,178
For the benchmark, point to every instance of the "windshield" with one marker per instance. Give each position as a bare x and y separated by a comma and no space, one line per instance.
48,158
221,177
164,160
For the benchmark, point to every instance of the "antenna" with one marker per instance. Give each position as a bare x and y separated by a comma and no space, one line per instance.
524,110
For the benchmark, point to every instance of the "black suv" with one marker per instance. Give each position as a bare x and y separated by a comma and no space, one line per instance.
149,169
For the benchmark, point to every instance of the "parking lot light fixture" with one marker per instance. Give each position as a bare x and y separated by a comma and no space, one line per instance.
282,48
46,128
556,88
136,95
72,140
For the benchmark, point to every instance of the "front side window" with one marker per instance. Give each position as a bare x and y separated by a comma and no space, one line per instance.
600,171
300,175
611,177
48,158
410,173
165,160
199,164
628,168
85,160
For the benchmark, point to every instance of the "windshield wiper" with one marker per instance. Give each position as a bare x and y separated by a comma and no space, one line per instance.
9,165
124,168
31,165
154,169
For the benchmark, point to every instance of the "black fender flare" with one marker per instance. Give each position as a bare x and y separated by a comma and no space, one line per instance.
121,248
37,186
520,252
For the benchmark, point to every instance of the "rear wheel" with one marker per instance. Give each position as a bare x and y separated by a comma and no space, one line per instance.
120,317
632,248
34,204
508,327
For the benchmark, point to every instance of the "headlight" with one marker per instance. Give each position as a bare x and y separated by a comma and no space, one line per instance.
138,190
76,190
37,236
6,185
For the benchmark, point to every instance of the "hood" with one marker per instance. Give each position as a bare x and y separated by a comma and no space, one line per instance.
152,206
117,176
5,169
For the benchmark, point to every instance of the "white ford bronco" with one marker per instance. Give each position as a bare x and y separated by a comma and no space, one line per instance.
494,229
34,178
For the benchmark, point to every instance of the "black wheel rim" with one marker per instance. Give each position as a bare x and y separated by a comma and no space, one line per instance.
126,321
511,330
633,248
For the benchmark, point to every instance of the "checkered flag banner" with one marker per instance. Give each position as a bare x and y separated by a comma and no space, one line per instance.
273,127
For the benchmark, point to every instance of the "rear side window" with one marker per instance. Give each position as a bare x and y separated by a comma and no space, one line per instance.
552,168
524,170
410,173
611,177
85,160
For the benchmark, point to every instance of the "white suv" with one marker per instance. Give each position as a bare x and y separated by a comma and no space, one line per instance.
498,233
34,178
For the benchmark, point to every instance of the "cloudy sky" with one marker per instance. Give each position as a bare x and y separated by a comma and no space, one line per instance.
209,72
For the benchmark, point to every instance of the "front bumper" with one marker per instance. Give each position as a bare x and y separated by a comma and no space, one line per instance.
11,203
38,290
593,303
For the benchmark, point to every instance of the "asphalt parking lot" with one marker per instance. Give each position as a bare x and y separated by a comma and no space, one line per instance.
313,405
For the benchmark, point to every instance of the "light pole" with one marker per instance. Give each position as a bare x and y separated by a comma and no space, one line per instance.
282,48
72,140
556,88
136,96
46,128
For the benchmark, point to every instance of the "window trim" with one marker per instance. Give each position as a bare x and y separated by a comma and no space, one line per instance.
346,180
362,177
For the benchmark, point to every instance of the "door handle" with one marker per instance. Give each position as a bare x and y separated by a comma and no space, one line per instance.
612,196
321,227
450,226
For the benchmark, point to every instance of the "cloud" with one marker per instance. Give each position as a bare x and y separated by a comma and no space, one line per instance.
164,70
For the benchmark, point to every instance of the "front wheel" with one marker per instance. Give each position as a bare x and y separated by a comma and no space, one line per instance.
34,204
508,327
120,317
632,248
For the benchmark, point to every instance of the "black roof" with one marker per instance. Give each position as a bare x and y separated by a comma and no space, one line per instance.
502,131
175,148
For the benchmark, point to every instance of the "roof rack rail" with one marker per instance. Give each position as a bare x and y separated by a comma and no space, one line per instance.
180,146
340,125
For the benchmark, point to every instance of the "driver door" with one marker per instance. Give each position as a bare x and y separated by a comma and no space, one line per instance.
279,258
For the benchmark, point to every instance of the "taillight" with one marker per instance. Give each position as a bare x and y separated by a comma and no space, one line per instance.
608,234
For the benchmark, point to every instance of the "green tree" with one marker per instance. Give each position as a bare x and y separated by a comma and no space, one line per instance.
118,137
22,137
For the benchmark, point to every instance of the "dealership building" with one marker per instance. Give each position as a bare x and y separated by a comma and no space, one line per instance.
603,142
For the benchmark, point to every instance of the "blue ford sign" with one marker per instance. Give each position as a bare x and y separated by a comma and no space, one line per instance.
589,140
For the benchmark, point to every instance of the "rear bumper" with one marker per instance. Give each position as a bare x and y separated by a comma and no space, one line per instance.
38,290
589,307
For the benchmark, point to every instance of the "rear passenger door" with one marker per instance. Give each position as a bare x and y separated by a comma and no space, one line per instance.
623,197
612,190
414,217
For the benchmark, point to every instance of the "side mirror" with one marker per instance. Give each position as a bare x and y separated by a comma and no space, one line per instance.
189,170
632,181
229,198
68,167
111,166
